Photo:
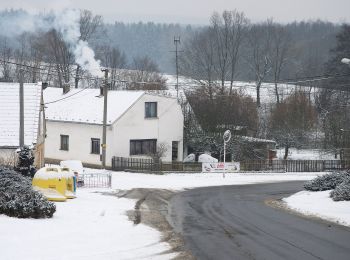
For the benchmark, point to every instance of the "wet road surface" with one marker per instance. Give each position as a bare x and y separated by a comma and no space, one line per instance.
234,222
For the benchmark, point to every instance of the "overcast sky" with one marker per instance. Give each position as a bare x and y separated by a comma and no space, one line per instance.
196,11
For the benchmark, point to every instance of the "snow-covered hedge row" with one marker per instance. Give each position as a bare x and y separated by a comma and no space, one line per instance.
339,182
18,199
342,191
327,182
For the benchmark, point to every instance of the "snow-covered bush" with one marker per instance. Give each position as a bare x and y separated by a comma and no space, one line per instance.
18,199
327,182
342,191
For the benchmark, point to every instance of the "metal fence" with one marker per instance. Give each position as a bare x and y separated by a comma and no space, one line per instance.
294,165
95,180
149,165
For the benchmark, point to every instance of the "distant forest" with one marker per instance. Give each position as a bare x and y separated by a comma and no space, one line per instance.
310,43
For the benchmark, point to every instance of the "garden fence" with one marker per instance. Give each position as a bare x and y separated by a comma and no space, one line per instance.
149,165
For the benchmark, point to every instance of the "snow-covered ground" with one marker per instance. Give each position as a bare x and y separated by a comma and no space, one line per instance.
92,226
95,226
319,204
306,154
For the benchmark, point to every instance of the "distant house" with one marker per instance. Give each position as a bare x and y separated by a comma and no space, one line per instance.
34,125
138,123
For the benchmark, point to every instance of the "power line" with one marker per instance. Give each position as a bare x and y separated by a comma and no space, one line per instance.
58,100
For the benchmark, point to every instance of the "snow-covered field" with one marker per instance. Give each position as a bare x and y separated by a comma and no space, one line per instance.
319,204
95,226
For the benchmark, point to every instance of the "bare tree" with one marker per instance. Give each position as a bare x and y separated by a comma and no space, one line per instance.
198,60
61,56
114,59
228,30
145,75
292,121
279,51
259,40
6,53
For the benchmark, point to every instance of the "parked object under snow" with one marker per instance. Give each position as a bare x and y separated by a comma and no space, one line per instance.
190,158
18,199
206,158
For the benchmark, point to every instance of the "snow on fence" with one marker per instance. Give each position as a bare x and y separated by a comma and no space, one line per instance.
148,165
95,180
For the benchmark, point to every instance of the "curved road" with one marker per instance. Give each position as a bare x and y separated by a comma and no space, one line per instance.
233,222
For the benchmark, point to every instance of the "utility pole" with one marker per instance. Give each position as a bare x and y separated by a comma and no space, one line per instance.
104,133
21,109
176,42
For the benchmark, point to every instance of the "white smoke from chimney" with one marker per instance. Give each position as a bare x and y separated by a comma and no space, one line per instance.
65,22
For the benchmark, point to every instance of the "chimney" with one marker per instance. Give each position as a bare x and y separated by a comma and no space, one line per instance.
66,88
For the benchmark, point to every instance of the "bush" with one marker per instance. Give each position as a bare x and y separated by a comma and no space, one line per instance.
18,199
327,182
342,191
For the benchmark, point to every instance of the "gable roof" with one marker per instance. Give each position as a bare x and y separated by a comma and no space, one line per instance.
86,105
9,113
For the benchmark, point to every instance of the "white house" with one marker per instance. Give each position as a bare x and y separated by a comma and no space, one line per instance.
34,125
137,123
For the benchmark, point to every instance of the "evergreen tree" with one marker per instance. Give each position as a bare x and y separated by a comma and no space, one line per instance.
25,162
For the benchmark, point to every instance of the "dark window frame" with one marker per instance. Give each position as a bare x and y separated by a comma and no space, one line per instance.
98,146
175,150
143,146
64,142
149,113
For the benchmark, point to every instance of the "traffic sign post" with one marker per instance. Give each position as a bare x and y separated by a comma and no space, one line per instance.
227,137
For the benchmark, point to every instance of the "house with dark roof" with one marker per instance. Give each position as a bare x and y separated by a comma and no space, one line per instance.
34,122
138,124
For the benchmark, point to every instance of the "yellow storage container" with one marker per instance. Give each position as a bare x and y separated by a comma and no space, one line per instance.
51,182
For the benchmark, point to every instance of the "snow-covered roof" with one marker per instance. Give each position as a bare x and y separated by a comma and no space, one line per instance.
9,113
86,105
255,140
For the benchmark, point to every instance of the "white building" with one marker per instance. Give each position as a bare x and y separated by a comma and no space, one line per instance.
34,125
137,123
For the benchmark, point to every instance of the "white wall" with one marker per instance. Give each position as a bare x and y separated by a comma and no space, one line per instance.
79,141
167,127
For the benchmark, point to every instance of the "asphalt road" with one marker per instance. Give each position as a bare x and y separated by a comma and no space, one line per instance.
233,222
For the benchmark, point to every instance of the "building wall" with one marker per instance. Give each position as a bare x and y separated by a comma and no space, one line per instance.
79,141
167,127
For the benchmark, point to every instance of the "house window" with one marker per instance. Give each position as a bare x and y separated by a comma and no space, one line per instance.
174,150
65,142
95,145
143,147
150,109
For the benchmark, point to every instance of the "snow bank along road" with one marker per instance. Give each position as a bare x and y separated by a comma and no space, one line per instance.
234,222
